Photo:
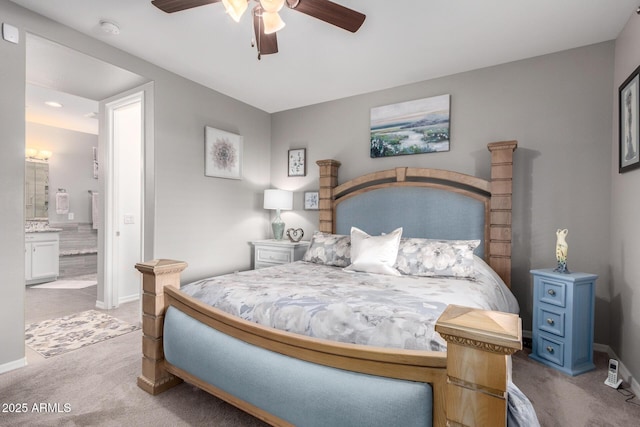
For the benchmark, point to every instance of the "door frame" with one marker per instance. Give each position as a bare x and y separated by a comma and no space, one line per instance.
107,295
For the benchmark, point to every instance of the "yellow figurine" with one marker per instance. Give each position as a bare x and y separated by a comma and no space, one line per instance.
561,250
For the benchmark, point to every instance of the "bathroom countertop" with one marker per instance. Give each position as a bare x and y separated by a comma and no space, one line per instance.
42,230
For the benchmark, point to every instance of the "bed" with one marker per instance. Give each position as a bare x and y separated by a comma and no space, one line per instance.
287,378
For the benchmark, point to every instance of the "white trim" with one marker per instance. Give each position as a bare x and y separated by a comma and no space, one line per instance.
16,364
130,298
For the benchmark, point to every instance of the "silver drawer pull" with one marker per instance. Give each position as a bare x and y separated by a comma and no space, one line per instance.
551,322
551,292
550,349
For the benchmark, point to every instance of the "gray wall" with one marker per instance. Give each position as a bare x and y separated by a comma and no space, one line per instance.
624,292
12,71
70,168
557,107
205,221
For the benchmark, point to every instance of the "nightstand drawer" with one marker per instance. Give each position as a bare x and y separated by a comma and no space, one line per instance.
273,255
550,320
551,350
552,292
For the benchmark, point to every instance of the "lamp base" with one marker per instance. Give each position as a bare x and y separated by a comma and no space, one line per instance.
278,228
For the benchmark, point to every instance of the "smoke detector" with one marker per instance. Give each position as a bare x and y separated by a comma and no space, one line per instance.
109,27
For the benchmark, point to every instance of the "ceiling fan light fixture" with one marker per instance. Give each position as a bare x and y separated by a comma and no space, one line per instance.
272,22
272,5
235,8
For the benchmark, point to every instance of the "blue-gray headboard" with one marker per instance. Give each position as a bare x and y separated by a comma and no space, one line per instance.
421,211
429,203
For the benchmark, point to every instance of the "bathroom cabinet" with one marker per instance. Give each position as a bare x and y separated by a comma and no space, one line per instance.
42,250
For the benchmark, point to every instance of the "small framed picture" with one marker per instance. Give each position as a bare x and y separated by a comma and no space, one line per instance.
298,162
629,104
311,200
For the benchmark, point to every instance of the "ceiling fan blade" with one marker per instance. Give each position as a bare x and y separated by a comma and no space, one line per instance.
266,43
330,12
171,6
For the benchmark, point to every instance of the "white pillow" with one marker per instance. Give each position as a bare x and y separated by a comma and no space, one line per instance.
374,254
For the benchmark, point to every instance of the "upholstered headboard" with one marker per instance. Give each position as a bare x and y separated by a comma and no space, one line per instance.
421,212
429,203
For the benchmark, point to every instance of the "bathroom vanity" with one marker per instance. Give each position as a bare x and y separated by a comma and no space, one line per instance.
42,249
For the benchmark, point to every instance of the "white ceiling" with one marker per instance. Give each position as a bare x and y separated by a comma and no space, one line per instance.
400,42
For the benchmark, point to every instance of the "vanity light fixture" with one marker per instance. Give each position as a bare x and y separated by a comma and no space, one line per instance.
35,154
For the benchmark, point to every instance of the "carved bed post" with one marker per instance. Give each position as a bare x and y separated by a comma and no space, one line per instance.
478,345
328,181
500,221
156,274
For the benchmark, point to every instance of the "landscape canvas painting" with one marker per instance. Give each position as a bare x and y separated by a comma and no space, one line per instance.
412,127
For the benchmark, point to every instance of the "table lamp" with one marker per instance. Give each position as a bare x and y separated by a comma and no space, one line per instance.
278,200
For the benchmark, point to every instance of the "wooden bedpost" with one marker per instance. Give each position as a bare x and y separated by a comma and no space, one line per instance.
478,345
328,181
500,221
156,274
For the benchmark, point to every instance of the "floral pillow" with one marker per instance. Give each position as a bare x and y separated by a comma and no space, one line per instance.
329,249
430,257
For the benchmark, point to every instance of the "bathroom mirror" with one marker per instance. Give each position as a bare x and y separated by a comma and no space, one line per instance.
36,190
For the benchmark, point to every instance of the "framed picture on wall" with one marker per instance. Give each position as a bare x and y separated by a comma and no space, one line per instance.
298,162
222,154
629,104
311,200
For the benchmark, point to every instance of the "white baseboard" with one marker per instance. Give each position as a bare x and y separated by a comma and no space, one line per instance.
134,297
101,305
16,364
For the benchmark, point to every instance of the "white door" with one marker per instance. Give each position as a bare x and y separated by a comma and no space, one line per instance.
122,175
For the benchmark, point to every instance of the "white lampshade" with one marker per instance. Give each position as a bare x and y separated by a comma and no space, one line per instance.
272,22
278,199
235,8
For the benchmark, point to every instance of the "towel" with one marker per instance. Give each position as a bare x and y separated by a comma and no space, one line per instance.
62,203
94,209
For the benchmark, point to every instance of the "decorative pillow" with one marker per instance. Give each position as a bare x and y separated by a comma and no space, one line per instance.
374,254
429,257
329,249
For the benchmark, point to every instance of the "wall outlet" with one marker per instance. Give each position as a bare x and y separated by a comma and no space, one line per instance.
70,216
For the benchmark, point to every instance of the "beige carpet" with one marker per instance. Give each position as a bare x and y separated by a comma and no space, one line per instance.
584,400
98,386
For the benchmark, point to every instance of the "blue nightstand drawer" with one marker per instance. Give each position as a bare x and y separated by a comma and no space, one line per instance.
551,321
551,350
552,292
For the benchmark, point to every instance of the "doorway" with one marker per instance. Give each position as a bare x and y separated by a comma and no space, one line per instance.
54,67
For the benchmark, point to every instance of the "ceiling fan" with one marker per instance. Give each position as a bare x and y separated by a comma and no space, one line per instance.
266,21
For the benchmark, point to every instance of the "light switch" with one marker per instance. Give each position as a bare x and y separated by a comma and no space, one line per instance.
129,219
10,33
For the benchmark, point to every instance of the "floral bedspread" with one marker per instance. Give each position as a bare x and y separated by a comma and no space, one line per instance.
371,309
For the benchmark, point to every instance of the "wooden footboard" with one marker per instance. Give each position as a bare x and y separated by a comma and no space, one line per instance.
469,382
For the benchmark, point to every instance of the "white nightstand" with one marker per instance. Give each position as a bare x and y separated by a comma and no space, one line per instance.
275,252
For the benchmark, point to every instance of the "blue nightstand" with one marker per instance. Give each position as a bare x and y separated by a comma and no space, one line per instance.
563,309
